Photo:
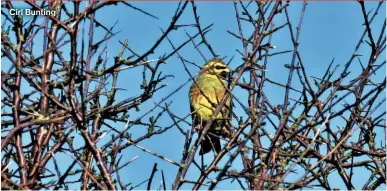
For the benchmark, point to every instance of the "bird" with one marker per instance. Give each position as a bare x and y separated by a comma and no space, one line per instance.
205,94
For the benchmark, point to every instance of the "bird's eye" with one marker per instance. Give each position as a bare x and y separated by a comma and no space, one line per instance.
220,67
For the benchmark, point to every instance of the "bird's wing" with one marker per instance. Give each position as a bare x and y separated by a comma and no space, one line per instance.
227,124
193,115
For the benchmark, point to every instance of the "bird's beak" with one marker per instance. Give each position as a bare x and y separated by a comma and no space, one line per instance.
226,72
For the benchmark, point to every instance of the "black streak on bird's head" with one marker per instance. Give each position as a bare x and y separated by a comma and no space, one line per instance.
216,66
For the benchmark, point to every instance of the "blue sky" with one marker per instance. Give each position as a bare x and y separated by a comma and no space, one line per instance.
330,30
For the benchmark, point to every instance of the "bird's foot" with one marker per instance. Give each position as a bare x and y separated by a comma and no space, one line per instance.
226,132
198,127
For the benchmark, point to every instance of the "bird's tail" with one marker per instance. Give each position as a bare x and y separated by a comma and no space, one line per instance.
208,143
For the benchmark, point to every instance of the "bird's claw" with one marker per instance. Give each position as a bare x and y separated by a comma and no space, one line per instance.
198,127
226,132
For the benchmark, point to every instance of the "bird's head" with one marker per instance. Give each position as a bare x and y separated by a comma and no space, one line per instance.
216,67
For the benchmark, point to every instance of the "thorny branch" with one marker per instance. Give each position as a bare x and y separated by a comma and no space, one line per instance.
63,101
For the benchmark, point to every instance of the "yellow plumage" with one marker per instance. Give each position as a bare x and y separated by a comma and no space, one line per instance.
205,94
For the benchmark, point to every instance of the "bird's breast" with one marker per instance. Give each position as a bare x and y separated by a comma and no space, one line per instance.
207,90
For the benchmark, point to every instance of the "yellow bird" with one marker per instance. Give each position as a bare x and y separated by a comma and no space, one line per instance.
205,94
